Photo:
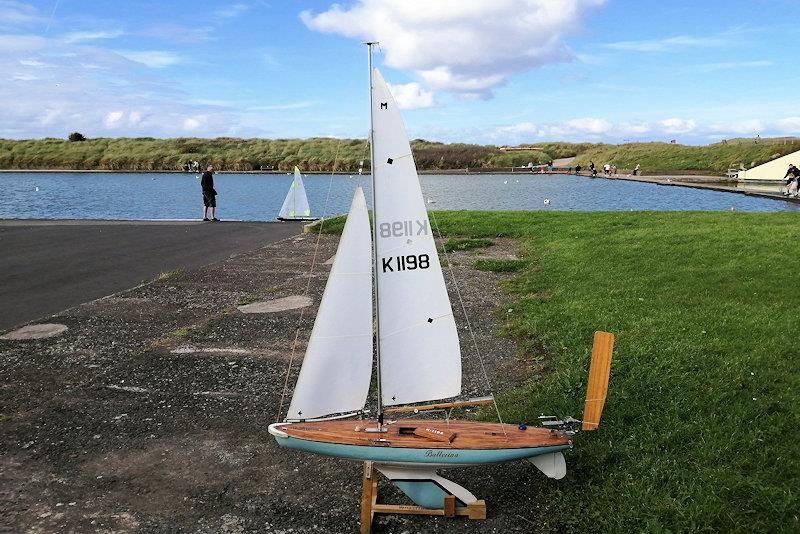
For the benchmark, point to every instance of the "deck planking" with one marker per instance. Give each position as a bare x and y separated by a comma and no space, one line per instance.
468,434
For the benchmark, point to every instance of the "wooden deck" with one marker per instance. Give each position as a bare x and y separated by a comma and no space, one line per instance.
426,434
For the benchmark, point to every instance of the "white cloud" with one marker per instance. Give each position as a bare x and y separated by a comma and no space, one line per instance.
117,119
411,96
668,44
156,59
743,127
469,47
78,37
789,125
676,126
54,92
634,128
177,33
22,43
589,125
14,13
599,129
194,123
233,10
522,128
134,118
733,65
113,119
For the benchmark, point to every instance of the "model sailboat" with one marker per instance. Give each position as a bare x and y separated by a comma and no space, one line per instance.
295,205
418,354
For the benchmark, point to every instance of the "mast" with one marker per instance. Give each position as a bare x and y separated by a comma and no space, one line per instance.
375,238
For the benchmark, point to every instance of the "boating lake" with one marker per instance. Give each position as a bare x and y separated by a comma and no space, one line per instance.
258,197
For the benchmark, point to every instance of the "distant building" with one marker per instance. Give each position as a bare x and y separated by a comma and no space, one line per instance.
770,171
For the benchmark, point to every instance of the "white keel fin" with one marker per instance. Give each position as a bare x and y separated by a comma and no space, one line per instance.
553,465
425,487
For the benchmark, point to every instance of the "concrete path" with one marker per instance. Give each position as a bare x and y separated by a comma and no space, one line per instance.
48,266
714,183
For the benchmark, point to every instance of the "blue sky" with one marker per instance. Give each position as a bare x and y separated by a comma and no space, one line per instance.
495,71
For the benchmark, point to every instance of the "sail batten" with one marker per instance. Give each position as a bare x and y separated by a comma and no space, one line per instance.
420,357
337,366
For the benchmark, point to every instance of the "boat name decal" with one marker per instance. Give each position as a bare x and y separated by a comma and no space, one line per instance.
440,454
403,228
409,262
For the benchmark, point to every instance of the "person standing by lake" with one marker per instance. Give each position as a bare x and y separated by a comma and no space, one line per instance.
209,194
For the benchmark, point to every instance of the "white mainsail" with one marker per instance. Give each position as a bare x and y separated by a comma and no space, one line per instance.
295,205
337,367
419,349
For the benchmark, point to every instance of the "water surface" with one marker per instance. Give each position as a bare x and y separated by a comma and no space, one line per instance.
258,197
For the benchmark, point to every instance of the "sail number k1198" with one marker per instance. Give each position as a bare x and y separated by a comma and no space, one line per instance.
403,228
408,262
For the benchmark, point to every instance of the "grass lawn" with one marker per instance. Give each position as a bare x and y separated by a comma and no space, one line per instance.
700,430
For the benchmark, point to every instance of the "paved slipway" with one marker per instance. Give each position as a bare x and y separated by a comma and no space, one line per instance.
47,266
150,413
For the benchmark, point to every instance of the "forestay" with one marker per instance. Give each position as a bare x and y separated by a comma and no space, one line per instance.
295,205
419,350
336,371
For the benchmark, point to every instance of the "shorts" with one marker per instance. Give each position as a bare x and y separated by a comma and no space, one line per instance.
209,200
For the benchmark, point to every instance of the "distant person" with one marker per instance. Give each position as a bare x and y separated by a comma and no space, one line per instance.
549,167
792,177
607,169
592,168
577,169
636,170
209,194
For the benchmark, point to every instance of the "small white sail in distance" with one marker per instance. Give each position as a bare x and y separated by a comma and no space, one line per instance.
337,367
419,348
295,205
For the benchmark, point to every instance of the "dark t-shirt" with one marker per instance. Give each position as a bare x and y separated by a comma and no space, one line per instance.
207,183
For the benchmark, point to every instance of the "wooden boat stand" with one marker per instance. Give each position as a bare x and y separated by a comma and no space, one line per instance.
370,505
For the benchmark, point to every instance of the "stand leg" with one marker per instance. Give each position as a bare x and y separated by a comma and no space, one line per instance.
450,495
367,498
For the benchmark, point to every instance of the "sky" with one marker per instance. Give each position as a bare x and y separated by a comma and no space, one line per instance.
500,72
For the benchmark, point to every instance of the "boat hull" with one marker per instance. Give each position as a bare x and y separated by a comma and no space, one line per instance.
402,456
471,443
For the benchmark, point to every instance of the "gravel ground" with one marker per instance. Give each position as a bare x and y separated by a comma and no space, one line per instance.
150,413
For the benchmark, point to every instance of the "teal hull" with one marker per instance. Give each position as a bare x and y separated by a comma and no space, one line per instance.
409,456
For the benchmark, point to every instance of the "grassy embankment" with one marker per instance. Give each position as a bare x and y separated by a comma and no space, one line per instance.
701,426
325,154
662,158
700,430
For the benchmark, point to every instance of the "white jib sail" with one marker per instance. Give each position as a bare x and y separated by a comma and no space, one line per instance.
295,205
419,349
337,367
